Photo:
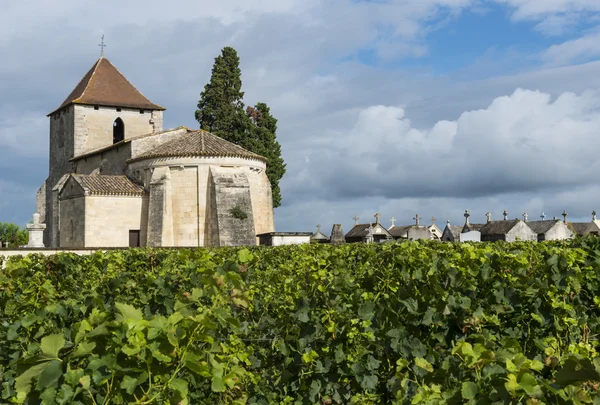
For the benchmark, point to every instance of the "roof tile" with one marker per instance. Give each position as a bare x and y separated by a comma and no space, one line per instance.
96,184
198,143
104,85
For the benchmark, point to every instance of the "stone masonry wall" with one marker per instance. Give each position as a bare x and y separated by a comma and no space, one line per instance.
40,202
111,162
521,232
61,150
146,143
232,192
184,197
94,128
160,223
560,231
262,200
72,222
108,220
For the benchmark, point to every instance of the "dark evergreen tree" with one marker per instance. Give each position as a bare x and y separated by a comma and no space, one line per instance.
220,108
221,112
264,142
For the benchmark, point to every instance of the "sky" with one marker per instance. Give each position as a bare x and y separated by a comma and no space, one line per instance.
397,107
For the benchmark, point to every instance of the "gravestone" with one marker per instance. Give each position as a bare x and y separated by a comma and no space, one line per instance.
36,232
337,235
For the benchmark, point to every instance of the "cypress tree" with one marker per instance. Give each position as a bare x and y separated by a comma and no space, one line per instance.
264,142
220,108
221,112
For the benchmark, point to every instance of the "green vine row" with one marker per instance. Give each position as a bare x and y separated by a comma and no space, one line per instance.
396,323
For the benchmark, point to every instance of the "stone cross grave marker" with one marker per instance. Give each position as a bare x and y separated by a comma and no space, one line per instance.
417,218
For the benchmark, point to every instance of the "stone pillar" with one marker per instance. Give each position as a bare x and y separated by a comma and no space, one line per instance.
36,232
337,235
160,218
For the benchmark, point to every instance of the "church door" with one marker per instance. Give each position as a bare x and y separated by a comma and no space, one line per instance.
134,238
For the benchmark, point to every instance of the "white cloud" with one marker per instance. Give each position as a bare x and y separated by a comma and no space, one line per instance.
334,115
527,141
586,47
538,9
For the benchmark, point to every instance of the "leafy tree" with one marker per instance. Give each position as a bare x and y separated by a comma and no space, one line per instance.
13,234
221,112
264,142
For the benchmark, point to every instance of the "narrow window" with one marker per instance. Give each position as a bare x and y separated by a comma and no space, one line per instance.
118,109
134,238
118,130
141,111
96,107
72,230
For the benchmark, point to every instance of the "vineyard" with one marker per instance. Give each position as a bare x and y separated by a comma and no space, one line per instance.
408,323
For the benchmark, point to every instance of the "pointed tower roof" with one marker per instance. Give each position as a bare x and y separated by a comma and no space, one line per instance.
104,85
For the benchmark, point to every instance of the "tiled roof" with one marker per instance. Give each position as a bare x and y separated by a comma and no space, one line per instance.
580,228
198,143
362,230
541,227
456,231
104,85
319,236
400,231
472,227
108,185
498,227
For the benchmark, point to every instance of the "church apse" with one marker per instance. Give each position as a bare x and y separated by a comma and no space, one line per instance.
233,207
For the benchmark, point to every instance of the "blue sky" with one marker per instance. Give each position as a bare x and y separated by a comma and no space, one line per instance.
393,106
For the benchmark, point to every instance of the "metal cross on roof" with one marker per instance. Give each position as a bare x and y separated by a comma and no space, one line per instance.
417,218
393,221
356,218
594,215
525,217
377,217
543,216
505,214
102,45
319,228
564,214
488,216
433,220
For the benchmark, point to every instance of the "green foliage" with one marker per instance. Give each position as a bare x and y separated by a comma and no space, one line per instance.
238,213
13,234
220,108
263,141
221,112
408,323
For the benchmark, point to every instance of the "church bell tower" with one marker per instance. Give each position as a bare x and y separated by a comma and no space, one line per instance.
103,109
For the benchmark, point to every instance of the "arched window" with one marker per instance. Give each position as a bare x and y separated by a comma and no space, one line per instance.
118,130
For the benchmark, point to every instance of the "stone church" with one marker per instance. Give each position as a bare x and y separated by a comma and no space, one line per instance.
117,179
